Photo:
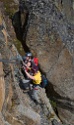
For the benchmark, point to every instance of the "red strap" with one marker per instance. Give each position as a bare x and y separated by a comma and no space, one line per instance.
35,88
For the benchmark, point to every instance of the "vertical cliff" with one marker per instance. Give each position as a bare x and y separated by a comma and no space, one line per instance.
67,8
49,34
45,27
16,107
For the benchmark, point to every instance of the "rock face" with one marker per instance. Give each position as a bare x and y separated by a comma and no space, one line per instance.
50,36
16,107
67,8
11,105
2,86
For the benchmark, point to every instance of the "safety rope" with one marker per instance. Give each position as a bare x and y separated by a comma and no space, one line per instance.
16,59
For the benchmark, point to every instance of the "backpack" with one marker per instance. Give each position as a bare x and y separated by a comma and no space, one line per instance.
35,61
44,81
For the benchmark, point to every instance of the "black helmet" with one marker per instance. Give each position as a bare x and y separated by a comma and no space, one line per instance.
29,54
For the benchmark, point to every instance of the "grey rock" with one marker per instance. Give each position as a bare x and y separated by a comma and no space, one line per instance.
50,35
55,122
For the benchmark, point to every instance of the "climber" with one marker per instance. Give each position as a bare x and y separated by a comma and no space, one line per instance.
33,60
27,57
36,79
27,81
27,62
28,67
30,64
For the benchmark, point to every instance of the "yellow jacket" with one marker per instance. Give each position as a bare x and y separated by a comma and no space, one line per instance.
37,77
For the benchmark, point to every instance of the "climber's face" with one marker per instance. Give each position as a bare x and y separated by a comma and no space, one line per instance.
29,64
27,58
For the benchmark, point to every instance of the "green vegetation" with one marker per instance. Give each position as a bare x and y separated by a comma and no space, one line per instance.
53,103
19,46
10,7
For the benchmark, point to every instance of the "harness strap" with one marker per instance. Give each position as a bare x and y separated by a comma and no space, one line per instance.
35,88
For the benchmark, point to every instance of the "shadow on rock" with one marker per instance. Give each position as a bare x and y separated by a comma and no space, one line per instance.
19,29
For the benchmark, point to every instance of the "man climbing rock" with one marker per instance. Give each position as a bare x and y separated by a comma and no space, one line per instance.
27,57
36,78
27,63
